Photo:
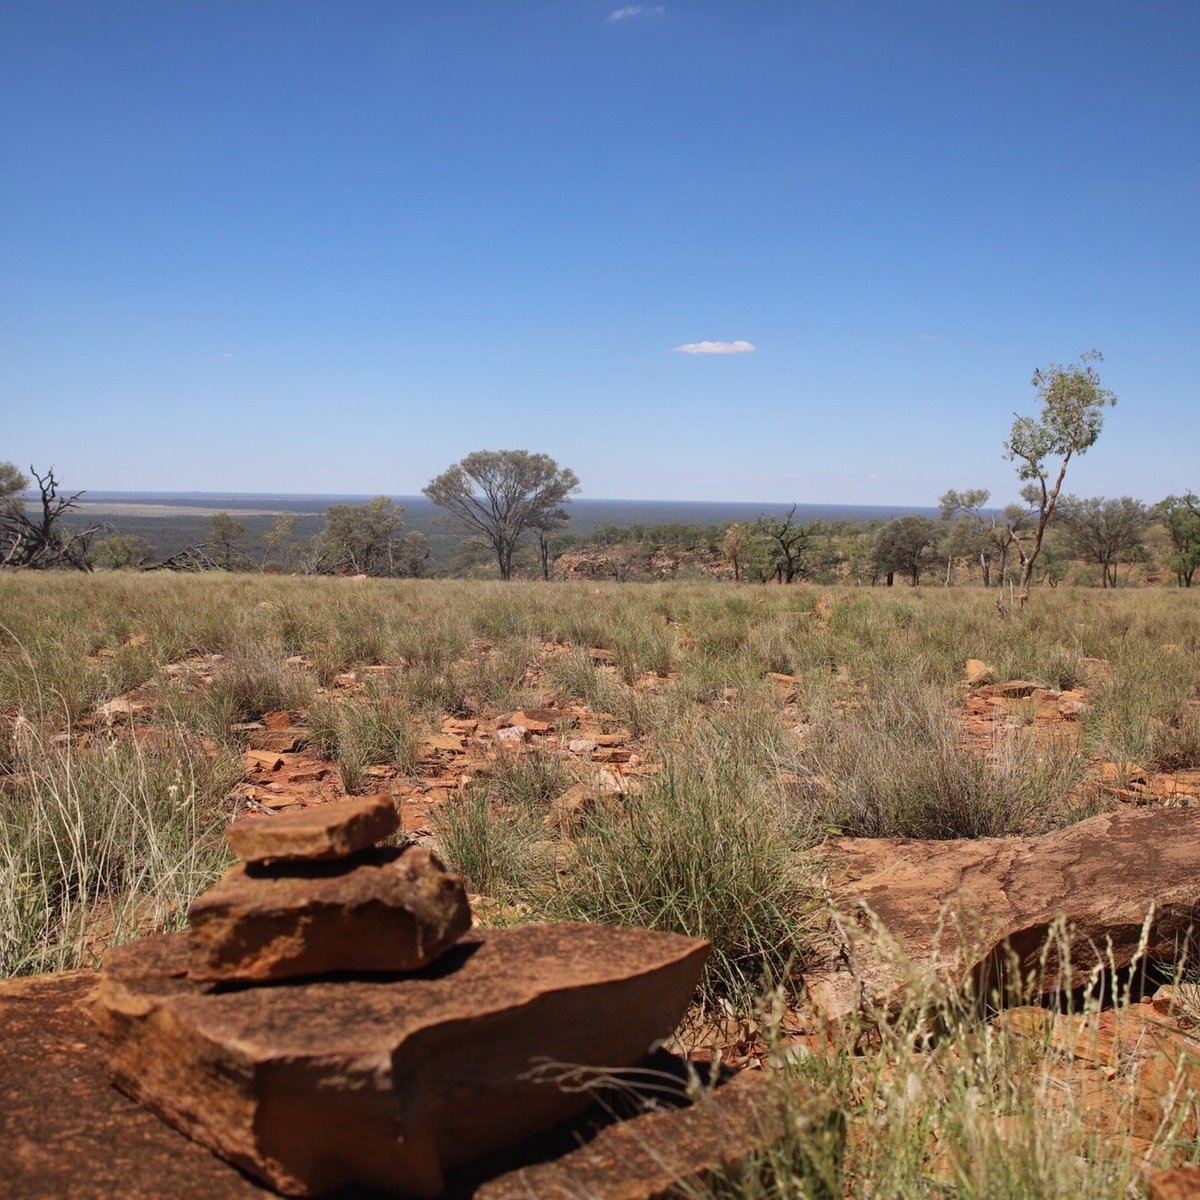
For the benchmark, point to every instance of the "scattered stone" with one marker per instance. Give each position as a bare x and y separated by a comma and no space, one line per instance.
954,906
1014,689
326,831
122,708
279,741
1122,1069
278,720
511,737
977,672
384,910
313,1086
263,760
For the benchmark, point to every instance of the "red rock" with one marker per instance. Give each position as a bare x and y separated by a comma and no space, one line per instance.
69,1133
1014,689
263,760
976,672
1180,1183
678,1153
278,720
953,906
326,831
383,910
281,741
386,1083
1124,1070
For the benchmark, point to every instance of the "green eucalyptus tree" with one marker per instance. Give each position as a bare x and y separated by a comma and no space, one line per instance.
1072,416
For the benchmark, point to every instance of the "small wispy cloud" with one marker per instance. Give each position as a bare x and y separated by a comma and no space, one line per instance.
637,10
715,348
929,337
225,354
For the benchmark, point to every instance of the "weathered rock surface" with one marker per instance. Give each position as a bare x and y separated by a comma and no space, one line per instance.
954,906
666,1155
325,831
386,909
1123,1070
386,1083
67,1132
1181,1183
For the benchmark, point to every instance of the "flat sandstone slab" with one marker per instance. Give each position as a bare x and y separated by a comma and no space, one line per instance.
387,1083
321,832
65,1131
384,910
958,907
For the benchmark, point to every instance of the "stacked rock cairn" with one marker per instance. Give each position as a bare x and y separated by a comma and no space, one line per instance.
330,1020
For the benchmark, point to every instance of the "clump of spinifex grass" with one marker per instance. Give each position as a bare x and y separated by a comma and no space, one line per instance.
377,729
493,836
101,845
896,766
705,849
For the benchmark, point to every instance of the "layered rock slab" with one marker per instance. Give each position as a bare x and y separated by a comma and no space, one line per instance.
387,1083
326,831
971,909
385,909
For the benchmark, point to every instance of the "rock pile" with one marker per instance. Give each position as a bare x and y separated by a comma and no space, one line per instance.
329,1021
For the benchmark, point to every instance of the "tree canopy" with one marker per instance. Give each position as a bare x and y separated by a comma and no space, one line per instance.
1071,418
1104,532
500,494
1181,517
907,545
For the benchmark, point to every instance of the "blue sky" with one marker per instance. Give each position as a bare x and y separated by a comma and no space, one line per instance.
333,247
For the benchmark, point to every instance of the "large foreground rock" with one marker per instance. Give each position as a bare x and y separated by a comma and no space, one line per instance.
65,1131
312,1086
383,910
966,910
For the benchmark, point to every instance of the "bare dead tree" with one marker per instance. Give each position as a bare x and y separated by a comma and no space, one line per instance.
198,557
44,542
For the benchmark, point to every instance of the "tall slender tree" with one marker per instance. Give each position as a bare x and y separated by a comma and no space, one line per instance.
1072,416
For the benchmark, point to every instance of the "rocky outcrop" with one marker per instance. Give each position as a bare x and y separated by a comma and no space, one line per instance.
981,910
386,1083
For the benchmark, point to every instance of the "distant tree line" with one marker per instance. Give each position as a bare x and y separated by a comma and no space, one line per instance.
504,499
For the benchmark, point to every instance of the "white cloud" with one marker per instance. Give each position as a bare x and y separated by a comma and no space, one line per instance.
929,337
715,348
225,354
637,10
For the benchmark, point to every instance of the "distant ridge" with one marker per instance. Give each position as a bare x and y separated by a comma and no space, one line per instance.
587,513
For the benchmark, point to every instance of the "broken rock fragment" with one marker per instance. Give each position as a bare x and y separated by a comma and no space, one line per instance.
323,832
384,910
386,1083
972,910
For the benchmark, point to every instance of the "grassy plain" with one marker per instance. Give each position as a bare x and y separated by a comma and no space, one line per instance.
106,836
